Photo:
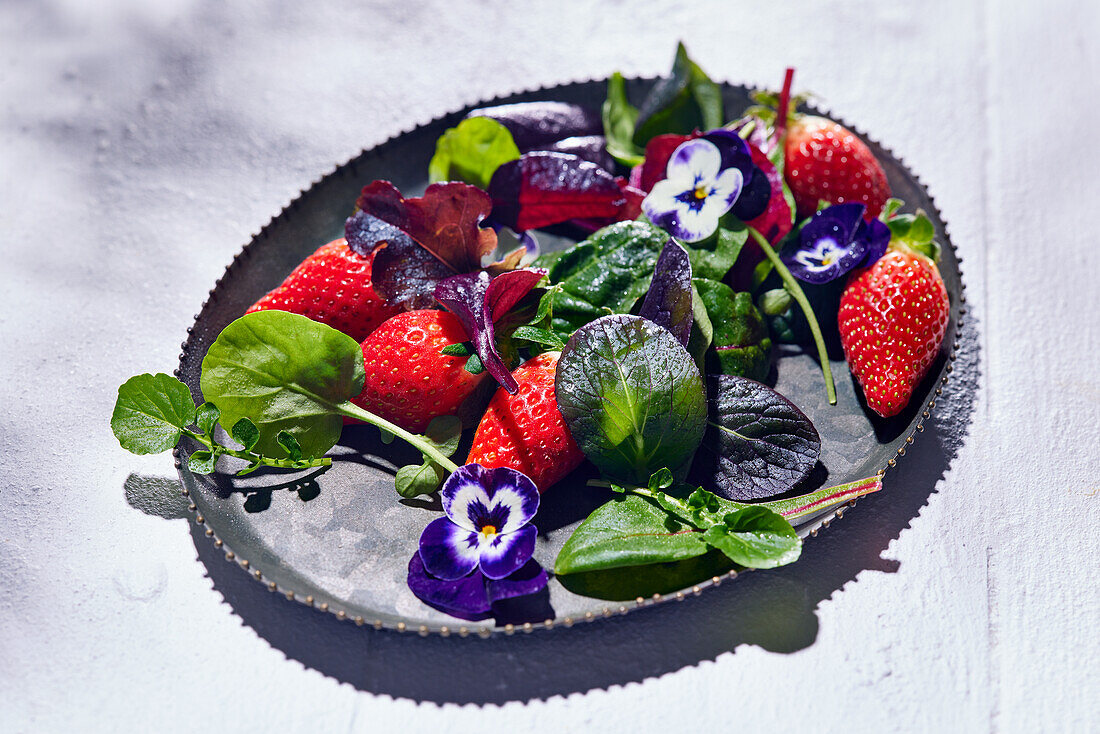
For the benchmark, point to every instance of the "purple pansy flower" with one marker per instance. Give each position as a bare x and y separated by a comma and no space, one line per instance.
486,527
836,240
696,192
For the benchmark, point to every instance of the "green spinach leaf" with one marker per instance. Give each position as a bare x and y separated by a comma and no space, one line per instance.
755,537
286,373
680,103
472,151
632,397
619,118
740,337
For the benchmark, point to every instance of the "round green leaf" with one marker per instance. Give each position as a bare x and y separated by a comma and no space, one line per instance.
632,398
472,151
150,411
756,537
285,372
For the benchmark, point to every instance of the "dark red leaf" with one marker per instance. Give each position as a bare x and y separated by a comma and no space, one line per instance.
540,189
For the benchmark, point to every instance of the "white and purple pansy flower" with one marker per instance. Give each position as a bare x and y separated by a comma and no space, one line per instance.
487,526
696,192
835,241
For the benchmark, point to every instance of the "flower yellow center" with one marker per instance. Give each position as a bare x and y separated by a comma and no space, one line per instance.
700,192
488,530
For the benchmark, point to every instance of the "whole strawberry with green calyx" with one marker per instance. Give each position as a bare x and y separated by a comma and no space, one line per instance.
332,286
418,367
823,160
525,431
893,316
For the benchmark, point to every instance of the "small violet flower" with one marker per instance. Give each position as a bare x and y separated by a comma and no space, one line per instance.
696,192
487,526
836,240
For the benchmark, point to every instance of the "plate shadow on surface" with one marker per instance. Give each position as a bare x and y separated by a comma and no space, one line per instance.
775,610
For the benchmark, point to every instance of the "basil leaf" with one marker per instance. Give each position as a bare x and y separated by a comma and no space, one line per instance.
740,337
631,397
755,537
758,444
285,372
619,118
472,151
151,412
680,103
668,301
607,273
627,531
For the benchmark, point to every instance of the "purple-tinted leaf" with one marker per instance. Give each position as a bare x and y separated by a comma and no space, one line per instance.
589,147
668,302
403,272
543,188
465,598
536,124
446,220
757,444
477,300
529,579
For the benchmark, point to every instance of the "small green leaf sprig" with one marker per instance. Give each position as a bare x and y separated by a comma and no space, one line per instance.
154,412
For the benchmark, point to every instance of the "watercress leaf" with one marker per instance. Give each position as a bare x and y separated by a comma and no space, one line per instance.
537,124
202,462
755,537
627,531
607,273
285,372
668,301
631,397
740,337
150,413
245,433
472,151
206,417
249,469
543,188
288,442
413,480
542,337
713,257
619,118
444,432
758,444
473,365
660,479
478,300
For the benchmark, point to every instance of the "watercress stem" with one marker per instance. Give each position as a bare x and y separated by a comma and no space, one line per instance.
251,457
799,296
351,410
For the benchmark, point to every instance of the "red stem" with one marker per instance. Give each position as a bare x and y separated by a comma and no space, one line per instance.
784,103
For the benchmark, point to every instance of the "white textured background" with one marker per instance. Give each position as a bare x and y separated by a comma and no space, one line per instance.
142,144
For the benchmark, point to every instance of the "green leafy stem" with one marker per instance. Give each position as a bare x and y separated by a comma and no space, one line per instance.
799,296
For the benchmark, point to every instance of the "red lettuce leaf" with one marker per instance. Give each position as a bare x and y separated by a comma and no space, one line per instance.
426,239
542,188
776,220
668,302
478,300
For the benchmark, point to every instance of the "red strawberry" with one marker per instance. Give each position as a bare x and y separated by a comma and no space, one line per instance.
332,286
525,431
409,380
892,319
825,160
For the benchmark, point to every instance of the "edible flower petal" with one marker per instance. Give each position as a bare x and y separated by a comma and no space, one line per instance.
487,524
835,241
696,192
475,596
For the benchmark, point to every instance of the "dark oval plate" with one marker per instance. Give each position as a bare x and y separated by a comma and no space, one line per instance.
340,540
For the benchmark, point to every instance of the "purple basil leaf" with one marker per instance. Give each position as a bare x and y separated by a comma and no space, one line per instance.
536,124
477,301
465,598
540,189
589,147
668,302
757,444
529,579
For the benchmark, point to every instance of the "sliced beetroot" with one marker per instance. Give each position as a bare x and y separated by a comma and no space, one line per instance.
589,147
536,124
541,188
478,300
